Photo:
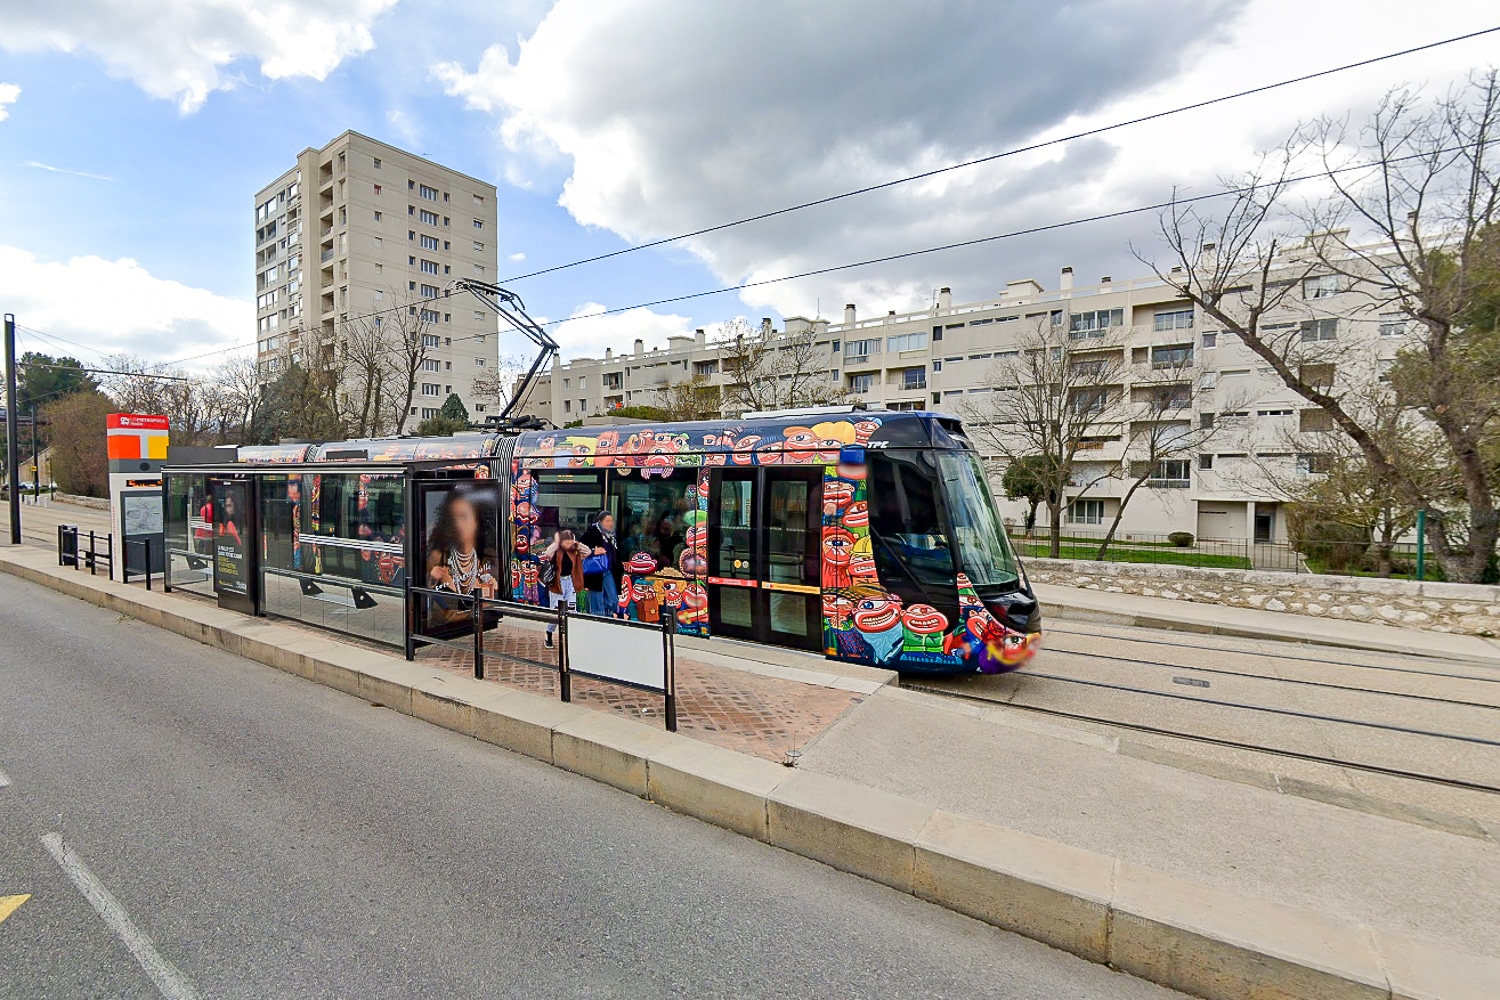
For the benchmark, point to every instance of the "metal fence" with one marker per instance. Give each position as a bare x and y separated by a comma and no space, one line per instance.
1336,556
632,654
70,550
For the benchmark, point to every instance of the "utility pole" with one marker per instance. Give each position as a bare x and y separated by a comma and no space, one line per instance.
36,463
12,430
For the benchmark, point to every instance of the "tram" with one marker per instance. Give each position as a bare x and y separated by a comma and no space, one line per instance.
867,535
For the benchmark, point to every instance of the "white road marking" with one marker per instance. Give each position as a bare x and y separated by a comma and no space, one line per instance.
171,983
4,779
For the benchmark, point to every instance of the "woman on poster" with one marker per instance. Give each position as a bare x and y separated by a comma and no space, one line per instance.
459,558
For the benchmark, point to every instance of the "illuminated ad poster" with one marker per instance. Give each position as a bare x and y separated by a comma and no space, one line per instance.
461,521
230,504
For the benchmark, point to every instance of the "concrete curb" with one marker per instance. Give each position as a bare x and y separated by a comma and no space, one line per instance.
1200,940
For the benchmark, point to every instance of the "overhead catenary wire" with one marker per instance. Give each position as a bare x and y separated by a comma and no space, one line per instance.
909,254
1028,148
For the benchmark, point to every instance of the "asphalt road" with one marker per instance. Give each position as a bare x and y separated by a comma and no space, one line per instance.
191,824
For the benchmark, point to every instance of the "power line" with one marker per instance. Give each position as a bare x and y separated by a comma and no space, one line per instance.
60,340
961,244
1032,147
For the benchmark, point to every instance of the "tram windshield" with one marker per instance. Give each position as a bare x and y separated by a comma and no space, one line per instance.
984,552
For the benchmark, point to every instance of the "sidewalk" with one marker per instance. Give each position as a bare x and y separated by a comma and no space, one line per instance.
1215,887
1216,619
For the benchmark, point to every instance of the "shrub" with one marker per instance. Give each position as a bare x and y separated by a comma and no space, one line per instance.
1337,547
1181,539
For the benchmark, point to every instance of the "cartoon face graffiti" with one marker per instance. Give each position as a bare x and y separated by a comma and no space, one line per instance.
691,563
523,542
838,549
858,515
530,574
837,494
695,598
515,577
924,627
878,619
640,564
863,429
671,591
526,513
799,444
744,449
627,594
838,611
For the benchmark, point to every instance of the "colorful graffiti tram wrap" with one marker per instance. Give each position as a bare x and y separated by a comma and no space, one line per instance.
870,536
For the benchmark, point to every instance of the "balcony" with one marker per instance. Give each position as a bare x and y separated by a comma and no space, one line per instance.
911,385
326,256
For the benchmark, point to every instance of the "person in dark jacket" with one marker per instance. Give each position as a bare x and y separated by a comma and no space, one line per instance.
603,588
566,556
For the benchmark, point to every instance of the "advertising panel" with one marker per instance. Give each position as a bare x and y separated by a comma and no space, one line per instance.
229,507
460,522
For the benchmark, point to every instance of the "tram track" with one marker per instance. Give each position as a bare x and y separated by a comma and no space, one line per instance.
1337,762
1280,655
1247,675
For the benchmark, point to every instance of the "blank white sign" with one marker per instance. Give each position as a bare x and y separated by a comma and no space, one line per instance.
617,652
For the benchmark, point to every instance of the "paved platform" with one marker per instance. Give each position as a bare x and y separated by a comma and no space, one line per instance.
733,703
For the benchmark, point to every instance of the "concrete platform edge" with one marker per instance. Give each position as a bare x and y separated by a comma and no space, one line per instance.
1202,941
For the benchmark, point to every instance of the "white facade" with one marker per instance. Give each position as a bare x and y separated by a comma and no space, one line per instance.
944,359
357,226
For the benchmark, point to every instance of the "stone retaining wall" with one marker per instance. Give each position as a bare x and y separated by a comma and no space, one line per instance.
1469,609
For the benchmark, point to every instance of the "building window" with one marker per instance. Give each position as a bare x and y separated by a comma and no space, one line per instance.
567,406
430,193
1086,512
1206,421
431,389
377,163
1392,325
1315,330
1314,421
1314,463
429,242
479,269
1318,376
478,362
1205,463
430,365
937,333
1273,413
478,247
1211,339
1171,471
914,378
907,342
1320,286
429,267
1086,325
1174,319
431,340
478,223
1172,356
861,383
1383,369
858,350
428,218
429,315
429,291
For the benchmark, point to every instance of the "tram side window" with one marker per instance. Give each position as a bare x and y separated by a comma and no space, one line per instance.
909,539
568,500
652,515
276,516
356,509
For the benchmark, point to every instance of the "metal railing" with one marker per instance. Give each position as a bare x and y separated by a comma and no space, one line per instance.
486,614
71,553
145,544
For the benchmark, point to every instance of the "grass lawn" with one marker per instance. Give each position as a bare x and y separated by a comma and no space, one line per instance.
1164,556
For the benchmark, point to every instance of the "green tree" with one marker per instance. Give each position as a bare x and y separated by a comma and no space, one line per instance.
1026,479
453,409
294,407
41,379
80,462
441,426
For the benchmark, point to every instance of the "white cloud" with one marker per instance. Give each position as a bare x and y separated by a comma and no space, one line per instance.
9,92
586,334
517,257
182,49
666,118
117,305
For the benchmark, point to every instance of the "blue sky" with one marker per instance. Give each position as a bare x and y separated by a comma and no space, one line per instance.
608,124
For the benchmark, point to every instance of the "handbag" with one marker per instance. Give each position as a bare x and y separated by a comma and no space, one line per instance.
596,563
547,572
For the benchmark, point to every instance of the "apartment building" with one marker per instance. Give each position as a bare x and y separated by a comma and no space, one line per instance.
1251,434
358,228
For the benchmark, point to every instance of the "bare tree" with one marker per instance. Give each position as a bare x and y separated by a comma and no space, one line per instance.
1058,396
1409,228
408,329
766,371
694,398
368,355
492,387
1162,435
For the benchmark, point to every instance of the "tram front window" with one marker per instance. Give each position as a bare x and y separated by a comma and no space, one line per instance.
984,551
910,542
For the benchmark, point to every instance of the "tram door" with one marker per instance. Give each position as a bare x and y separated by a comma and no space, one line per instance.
765,555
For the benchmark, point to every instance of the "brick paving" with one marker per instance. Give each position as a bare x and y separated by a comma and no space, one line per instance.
745,712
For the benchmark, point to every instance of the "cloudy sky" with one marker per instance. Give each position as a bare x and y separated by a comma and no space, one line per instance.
134,133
